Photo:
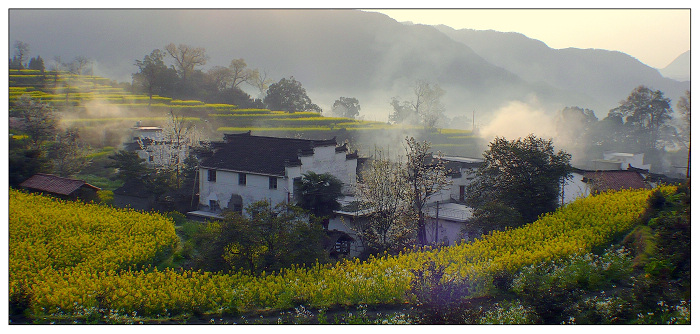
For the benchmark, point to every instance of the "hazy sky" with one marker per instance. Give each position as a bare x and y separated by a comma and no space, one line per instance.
654,36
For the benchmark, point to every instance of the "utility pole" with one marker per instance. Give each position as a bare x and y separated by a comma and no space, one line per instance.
473,120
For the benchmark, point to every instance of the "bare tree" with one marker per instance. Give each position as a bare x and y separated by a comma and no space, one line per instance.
239,72
186,58
220,76
21,51
427,107
426,175
80,65
170,153
260,81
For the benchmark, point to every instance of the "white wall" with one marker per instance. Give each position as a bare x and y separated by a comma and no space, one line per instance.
575,188
324,160
257,188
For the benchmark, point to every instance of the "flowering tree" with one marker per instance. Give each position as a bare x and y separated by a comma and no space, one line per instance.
384,193
426,175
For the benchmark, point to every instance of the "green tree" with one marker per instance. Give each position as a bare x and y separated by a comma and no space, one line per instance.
154,77
25,162
523,174
37,64
346,107
268,239
403,112
129,166
496,216
645,113
425,175
318,194
288,95
574,128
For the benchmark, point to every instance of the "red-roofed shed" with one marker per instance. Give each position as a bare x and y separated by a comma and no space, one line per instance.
61,187
602,181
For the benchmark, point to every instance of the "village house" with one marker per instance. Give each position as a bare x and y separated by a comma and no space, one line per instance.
447,215
61,187
244,169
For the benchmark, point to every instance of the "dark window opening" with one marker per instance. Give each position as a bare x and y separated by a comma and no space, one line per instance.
213,206
211,175
273,182
242,179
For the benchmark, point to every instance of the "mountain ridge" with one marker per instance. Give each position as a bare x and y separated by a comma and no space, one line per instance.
341,52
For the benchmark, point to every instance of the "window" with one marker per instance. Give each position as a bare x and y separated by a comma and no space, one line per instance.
241,178
150,158
273,182
211,175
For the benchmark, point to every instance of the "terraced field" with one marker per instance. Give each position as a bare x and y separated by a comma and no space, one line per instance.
93,103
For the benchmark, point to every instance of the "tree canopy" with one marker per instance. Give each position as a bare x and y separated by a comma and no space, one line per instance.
154,77
319,193
269,238
288,95
523,174
426,109
346,107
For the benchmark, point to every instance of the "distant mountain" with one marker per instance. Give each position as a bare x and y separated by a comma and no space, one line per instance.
603,77
679,68
349,53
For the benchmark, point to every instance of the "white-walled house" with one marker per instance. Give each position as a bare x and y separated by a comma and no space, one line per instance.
244,169
447,208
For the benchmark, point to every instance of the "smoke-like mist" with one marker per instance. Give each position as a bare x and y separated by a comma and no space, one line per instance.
517,120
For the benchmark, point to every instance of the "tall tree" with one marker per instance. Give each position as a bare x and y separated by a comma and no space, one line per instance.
645,113
129,166
21,52
288,95
260,81
240,72
383,191
171,153
426,108
425,175
153,77
574,128
683,107
346,107
523,174
220,77
186,58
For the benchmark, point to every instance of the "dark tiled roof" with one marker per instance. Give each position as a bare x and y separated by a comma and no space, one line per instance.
614,180
261,155
55,184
